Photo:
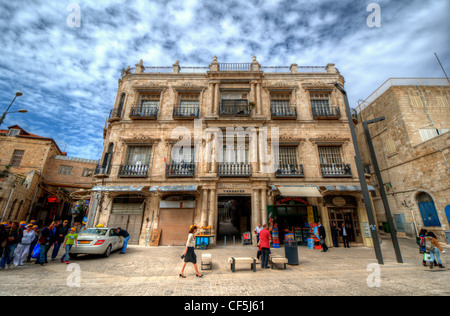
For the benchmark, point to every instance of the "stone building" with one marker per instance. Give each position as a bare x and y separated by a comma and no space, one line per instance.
37,177
257,143
412,148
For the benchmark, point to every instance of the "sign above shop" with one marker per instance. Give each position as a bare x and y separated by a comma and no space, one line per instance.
291,201
339,201
53,199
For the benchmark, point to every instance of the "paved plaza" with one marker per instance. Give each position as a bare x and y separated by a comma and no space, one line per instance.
154,271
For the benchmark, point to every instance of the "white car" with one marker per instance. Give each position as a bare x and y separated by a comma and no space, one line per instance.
99,241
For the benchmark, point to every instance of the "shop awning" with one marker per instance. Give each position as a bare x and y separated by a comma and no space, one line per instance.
300,191
115,188
175,188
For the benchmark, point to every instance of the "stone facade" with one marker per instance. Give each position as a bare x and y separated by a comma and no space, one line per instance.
412,147
34,175
156,105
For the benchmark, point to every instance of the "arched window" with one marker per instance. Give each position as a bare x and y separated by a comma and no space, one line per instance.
122,101
428,210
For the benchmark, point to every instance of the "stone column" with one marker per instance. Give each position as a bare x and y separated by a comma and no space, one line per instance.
325,220
254,151
204,218
215,150
255,213
212,209
258,103
211,99
207,155
264,206
216,99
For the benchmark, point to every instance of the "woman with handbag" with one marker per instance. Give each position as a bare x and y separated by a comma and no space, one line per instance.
189,254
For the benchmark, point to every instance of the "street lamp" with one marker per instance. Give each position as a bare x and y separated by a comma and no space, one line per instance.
381,187
18,94
362,179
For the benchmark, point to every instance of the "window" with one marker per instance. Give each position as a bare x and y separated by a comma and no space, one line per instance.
429,133
330,155
320,100
65,170
138,155
13,132
122,101
183,154
288,156
17,157
86,172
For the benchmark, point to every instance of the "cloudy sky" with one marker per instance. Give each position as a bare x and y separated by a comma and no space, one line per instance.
68,75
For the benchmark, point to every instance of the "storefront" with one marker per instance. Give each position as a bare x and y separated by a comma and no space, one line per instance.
342,210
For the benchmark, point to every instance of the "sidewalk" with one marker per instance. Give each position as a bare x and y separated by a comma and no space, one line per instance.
154,271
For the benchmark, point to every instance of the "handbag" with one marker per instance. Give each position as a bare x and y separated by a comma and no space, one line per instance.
36,251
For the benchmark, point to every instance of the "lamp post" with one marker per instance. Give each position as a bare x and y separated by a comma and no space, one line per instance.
18,94
381,187
362,179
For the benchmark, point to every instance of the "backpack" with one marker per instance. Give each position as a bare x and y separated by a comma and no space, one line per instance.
428,245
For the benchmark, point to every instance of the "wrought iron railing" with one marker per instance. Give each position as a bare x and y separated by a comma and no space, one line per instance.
289,170
180,170
235,170
283,111
336,170
144,112
102,170
326,111
234,108
133,171
114,114
235,66
186,111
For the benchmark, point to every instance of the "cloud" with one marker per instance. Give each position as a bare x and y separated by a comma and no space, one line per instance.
69,75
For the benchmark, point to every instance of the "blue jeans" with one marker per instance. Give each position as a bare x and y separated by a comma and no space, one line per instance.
8,255
66,255
434,254
56,250
125,244
43,254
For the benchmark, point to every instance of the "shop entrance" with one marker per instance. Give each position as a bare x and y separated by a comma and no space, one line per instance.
234,217
349,218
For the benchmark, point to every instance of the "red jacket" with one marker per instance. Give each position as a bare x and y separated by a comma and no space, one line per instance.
264,238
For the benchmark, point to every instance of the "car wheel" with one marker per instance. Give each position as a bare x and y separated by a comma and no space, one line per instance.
108,251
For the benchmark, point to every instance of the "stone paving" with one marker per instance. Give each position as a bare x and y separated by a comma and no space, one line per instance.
152,271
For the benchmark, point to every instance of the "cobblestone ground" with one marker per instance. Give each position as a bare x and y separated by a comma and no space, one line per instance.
154,271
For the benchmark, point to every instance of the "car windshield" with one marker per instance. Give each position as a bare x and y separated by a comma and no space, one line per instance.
94,231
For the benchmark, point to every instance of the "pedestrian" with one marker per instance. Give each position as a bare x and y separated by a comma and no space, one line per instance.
34,242
61,231
3,238
258,254
421,243
322,236
70,240
432,245
334,235
45,243
344,235
23,248
189,254
126,236
257,230
14,236
264,239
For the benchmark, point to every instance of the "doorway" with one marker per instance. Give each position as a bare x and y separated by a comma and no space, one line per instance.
349,218
234,217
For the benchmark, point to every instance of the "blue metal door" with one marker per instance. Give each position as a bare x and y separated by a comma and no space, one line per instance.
447,213
429,214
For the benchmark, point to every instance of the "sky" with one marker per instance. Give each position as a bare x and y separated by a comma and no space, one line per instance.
69,75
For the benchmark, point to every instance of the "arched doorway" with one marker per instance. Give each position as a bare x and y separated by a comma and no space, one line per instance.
428,210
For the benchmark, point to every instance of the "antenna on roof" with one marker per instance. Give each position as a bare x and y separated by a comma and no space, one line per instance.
441,67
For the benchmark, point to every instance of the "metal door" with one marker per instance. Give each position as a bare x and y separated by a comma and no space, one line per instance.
429,214
399,219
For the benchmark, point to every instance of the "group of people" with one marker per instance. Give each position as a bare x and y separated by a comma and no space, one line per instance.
18,241
429,245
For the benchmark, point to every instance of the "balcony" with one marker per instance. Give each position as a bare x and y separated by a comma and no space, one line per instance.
235,66
289,171
326,112
114,115
186,112
336,170
283,112
133,171
234,108
235,170
180,170
102,171
144,113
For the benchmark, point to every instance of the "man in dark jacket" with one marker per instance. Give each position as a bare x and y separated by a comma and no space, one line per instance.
61,231
322,236
45,243
126,236
13,237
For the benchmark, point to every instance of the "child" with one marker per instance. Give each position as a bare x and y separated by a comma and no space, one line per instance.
70,241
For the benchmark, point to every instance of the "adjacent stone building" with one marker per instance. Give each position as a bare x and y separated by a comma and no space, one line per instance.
412,148
227,147
36,177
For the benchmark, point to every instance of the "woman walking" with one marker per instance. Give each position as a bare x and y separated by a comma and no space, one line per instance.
432,245
189,254
23,248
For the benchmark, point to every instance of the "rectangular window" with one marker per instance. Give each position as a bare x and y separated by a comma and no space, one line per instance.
86,172
17,158
183,155
330,155
288,156
138,155
13,132
65,170
320,100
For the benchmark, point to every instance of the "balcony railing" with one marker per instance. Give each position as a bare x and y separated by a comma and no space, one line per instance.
186,112
139,171
326,112
144,113
180,170
114,115
234,108
102,171
283,112
235,170
287,171
336,170
235,66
